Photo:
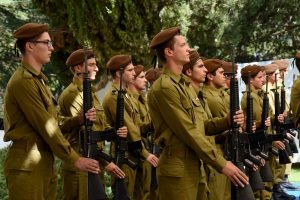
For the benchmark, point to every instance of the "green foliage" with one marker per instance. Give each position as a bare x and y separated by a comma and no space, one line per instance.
3,190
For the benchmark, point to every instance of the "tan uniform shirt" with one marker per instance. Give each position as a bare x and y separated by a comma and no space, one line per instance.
30,118
173,105
295,101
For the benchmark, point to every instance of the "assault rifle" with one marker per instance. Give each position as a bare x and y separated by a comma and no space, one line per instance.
121,192
283,154
88,140
236,149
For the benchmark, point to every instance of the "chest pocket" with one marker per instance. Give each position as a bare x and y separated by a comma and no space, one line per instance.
189,107
48,99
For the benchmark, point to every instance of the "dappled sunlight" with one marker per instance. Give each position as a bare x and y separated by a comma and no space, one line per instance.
51,127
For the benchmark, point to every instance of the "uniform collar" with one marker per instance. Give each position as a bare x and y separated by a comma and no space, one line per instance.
30,69
79,85
177,78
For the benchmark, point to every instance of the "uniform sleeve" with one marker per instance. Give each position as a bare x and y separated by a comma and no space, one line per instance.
295,103
216,126
29,98
179,121
70,107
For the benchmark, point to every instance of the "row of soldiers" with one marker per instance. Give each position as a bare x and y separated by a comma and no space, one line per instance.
185,115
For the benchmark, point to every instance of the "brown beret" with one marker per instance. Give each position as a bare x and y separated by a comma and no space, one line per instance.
77,57
153,74
163,37
138,69
252,69
118,61
297,55
270,68
282,64
212,64
227,66
30,30
194,57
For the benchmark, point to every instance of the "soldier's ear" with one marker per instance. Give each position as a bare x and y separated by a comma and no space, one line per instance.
168,52
188,72
209,76
29,46
118,74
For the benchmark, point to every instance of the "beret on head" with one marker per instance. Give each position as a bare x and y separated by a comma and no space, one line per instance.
212,64
153,74
282,64
138,69
30,30
252,69
194,57
118,61
163,36
270,68
77,57
297,56
227,66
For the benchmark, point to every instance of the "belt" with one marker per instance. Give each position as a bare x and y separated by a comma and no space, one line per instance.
180,152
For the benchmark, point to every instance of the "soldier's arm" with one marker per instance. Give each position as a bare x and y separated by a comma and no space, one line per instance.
216,126
45,125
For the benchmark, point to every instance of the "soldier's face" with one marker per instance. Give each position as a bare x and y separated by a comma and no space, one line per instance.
42,48
140,81
198,72
91,67
180,52
258,81
271,77
219,79
129,73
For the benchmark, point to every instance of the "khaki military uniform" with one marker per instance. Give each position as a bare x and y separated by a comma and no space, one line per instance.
131,121
144,172
179,130
295,102
217,108
71,104
30,123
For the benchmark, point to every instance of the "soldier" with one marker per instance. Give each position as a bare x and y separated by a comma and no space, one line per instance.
30,122
71,105
131,115
178,129
143,178
218,184
295,95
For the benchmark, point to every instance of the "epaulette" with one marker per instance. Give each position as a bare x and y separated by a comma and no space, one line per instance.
164,81
27,74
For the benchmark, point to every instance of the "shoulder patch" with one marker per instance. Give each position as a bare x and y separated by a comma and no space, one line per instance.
27,74
165,81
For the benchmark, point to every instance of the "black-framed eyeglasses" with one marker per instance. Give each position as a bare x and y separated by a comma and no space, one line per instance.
49,43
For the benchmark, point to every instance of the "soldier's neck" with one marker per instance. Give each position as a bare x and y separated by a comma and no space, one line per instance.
174,67
32,62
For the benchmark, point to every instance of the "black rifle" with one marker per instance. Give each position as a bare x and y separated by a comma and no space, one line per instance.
255,179
88,140
283,154
121,192
235,155
288,123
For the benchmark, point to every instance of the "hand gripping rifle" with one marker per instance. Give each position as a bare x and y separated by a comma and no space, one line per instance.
255,179
89,138
121,192
237,192
283,154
